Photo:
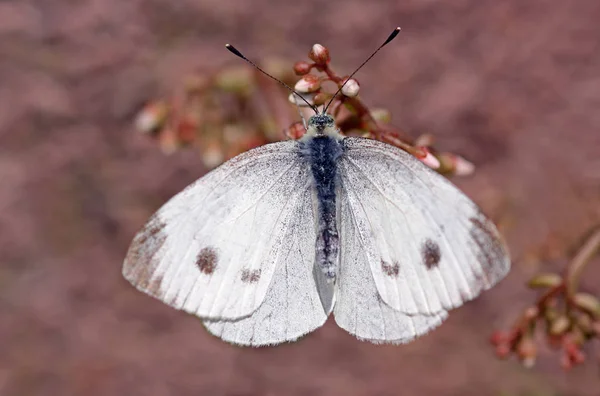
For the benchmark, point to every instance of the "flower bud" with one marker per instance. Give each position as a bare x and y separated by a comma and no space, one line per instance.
588,303
293,98
544,280
531,313
428,159
321,98
584,322
308,83
167,140
351,88
302,68
212,153
560,325
319,55
462,167
381,115
527,351
186,131
498,337
152,118
295,131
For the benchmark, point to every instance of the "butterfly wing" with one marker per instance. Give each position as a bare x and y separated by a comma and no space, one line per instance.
213,249
428,246
359,308
298,299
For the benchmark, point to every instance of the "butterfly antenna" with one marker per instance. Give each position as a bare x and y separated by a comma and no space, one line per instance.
237,53
390,38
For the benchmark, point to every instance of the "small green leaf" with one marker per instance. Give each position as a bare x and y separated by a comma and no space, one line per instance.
588,303
544,281
560,325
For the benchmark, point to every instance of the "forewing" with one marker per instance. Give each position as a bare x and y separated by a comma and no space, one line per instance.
298,299
429,247
212,249
359,308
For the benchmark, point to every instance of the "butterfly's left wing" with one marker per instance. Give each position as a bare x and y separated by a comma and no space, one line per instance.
359,308
428,246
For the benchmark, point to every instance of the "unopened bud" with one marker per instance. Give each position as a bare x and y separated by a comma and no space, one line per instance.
293,98
186,131
321,98
545,280
428,159
462,167
167,140
588,303
560,325
308,83
381,115
526,349
295,131
319,55
351,88
152,117
498,337
531,313
212,154
584,322
302,68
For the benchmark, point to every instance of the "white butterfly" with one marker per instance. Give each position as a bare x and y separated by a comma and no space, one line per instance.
264,248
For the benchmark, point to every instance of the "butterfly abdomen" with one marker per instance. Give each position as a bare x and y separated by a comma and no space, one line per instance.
321,153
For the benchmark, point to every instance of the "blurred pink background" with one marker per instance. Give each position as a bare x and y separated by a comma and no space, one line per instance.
513,86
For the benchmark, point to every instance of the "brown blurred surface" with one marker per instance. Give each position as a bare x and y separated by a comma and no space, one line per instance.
514,86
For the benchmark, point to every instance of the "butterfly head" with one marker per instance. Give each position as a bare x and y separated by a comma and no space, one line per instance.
320,123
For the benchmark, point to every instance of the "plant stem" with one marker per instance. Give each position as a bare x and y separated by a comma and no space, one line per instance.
581,259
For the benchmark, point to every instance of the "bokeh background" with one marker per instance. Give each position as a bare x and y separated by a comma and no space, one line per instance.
514,86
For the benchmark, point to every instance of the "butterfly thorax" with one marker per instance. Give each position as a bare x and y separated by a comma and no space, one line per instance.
321,147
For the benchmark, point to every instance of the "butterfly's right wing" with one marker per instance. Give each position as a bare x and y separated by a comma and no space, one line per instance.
213,249
359,308
299,298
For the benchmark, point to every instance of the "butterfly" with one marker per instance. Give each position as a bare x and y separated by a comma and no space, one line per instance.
264,248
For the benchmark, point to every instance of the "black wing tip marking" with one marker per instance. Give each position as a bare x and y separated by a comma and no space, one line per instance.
140,265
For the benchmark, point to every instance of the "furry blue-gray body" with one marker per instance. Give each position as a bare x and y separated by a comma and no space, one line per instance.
322,153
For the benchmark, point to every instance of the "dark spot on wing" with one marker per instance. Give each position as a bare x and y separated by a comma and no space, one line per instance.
250,276
430,251
391,270
141,261
207,260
